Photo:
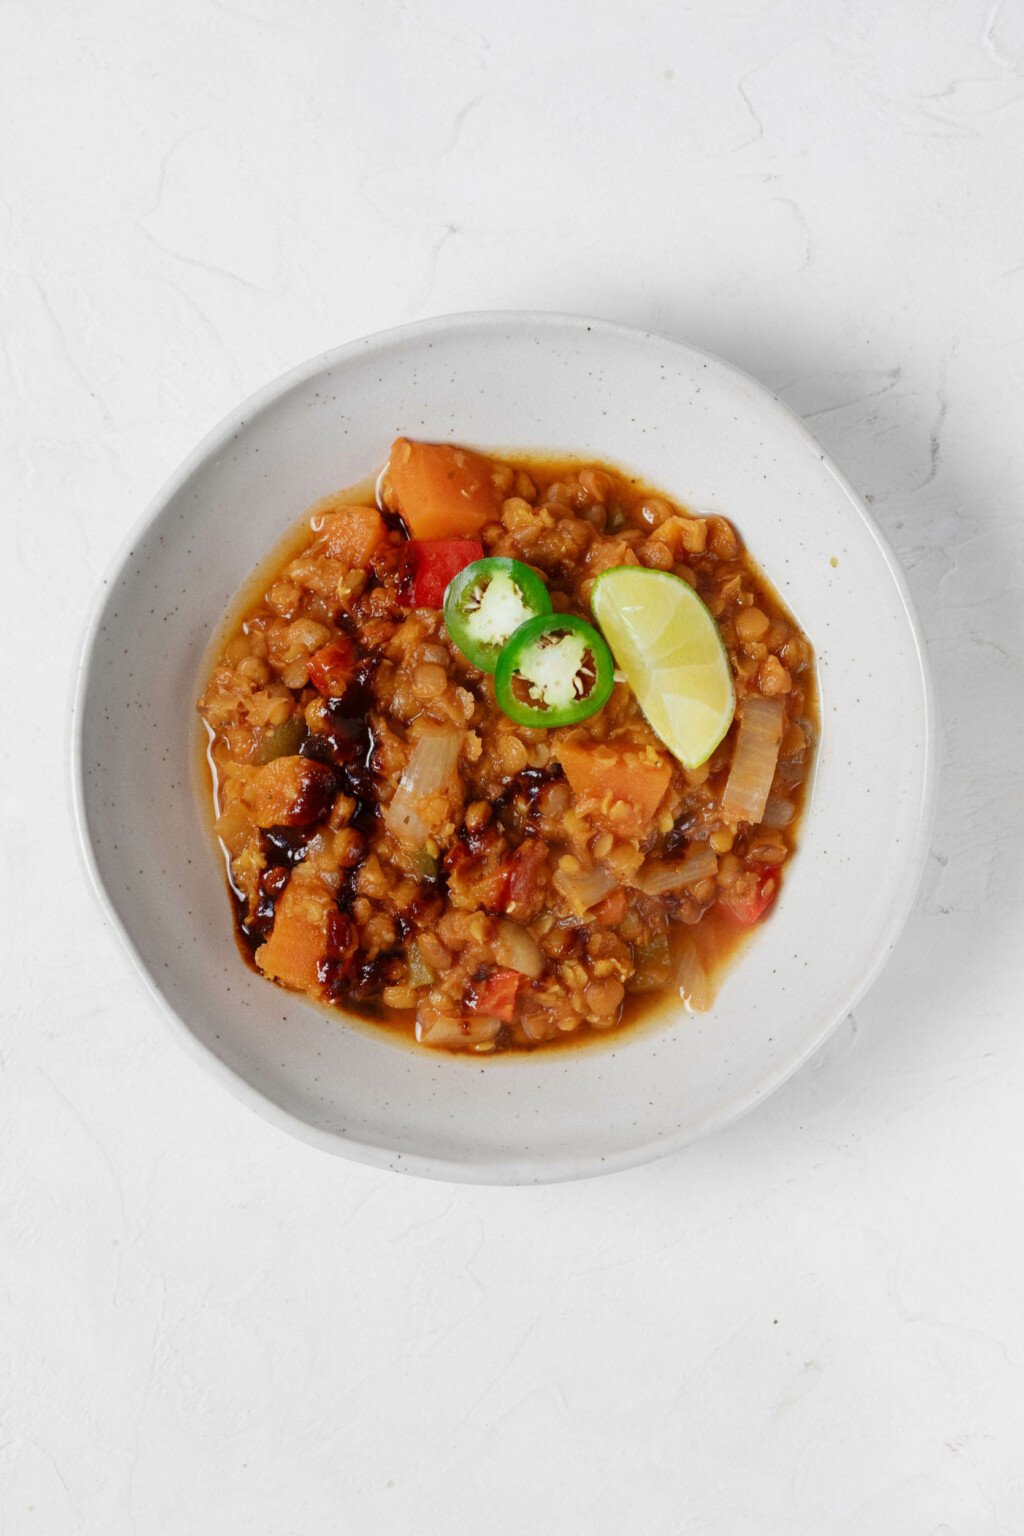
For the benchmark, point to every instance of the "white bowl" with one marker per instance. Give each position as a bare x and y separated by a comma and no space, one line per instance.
713,438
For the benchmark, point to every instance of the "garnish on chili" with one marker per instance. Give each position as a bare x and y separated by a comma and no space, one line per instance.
487,602
555,670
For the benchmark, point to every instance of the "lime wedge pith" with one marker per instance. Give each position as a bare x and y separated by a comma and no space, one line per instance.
667,643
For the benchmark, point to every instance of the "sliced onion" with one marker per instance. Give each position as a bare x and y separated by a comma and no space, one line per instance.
428,770
453,1033
794,772
778,812
754,758
658,876
436,1028
517,949
585,889
689,973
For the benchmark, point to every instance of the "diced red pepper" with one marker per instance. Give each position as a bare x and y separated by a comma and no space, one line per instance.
495,996
430,565
332,668
751,900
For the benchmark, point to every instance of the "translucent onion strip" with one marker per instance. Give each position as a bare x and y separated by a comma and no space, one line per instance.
778,812
658,876
690,973
754,759
428,771
585,889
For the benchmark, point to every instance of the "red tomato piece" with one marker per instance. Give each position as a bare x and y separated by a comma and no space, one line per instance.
430,565
753,900
332,668
495,996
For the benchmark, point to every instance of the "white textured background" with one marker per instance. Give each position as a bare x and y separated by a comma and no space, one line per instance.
813,1323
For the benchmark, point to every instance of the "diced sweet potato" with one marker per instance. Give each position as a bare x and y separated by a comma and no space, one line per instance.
618,786
289,792
352,534
442,491
301,938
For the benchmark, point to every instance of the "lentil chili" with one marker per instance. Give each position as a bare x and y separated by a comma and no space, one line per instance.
399,847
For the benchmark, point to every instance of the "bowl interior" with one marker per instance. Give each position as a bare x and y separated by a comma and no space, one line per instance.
711,437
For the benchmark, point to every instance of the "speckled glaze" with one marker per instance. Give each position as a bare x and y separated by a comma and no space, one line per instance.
713,438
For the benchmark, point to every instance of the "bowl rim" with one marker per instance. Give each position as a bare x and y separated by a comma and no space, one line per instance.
498,1170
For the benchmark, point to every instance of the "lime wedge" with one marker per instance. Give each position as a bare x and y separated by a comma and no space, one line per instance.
668,645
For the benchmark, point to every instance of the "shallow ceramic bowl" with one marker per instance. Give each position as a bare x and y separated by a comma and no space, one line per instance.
711,437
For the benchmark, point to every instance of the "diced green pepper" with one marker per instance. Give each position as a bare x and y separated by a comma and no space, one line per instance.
426,864
420,973
283,741
653,966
